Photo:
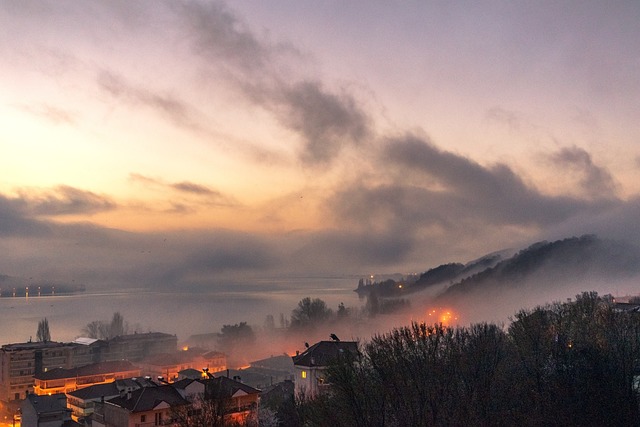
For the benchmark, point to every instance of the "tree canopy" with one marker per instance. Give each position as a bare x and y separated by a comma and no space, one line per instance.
570,363
310,312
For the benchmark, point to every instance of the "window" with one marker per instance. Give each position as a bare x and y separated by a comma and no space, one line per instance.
143,418
158,418
304,374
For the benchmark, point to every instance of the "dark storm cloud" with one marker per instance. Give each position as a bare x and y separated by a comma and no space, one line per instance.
64,200
429,194
223,37
495,194
596,181
393,206
14,222
100,256
326,121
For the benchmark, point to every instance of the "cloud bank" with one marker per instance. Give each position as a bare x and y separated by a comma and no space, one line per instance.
390,199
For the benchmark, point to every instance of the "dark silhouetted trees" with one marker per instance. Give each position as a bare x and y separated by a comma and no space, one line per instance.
309,313
43,334
570,363
100,329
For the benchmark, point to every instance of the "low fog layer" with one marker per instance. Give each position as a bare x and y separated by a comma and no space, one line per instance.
250,164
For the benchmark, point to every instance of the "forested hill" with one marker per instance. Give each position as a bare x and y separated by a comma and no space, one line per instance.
552,264
543,265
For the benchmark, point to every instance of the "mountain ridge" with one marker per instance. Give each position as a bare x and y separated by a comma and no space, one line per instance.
542,264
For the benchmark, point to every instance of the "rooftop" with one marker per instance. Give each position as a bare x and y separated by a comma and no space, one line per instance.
85,340
48,404
96,391
33,345
147,398
86,370
321,353
146,335
219,387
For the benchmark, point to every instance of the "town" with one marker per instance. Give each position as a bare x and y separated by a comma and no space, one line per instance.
143,379
562,357
110,377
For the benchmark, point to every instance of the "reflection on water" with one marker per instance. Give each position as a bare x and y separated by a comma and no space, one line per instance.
178,312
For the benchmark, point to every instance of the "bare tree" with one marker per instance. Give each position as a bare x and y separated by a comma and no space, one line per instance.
43,334
99,329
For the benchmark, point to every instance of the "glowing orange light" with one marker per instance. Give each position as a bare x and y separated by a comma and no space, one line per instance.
445,316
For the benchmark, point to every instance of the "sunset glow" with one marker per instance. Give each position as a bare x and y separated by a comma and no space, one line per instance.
246,139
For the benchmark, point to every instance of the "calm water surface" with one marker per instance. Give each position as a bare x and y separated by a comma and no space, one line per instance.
178,312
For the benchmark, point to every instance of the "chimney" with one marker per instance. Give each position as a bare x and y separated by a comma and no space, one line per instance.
129,395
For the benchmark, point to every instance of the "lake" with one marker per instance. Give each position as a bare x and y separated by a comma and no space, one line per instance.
183,313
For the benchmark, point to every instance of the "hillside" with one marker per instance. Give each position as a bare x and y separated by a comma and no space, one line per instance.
553,264
547,270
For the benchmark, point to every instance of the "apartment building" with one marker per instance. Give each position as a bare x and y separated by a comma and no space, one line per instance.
19,362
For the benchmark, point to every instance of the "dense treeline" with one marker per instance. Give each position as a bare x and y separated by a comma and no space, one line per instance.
567,363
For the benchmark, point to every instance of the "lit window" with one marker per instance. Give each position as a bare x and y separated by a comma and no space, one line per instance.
304,374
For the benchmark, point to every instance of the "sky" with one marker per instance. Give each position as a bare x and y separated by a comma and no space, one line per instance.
191,143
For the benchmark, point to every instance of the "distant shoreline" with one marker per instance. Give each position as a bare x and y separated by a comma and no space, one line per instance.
40,291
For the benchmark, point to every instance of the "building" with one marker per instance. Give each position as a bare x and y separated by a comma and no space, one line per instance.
146,406
83,401
214,361
19,362
136,347
87,351
46,411
237,402
61,380
310,366
191,373
169,365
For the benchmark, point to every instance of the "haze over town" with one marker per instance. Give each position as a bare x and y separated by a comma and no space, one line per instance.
205,146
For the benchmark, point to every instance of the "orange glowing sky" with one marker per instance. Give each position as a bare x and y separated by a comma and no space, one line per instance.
288,136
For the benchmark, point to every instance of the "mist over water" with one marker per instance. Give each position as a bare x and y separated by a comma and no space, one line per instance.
186,312
178,312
